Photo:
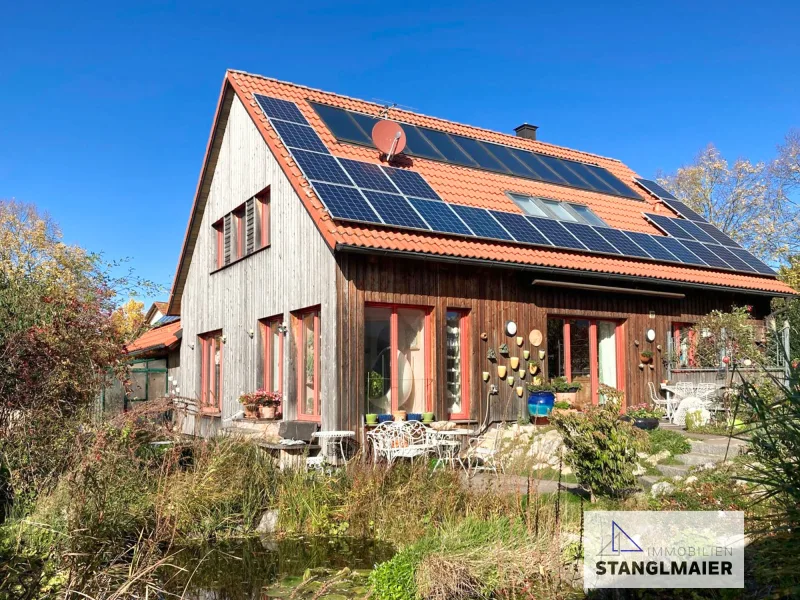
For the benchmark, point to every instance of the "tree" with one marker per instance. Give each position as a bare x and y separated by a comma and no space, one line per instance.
745,200
129,320
787,165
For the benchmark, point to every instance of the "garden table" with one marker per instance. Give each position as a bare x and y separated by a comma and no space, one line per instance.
449,448
336,438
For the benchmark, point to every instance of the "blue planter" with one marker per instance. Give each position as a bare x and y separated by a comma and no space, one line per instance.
414,417
384,418
540,403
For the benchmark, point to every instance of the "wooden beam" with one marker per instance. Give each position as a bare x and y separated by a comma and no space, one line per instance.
607,288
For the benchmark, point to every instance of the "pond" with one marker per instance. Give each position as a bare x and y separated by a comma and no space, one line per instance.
263,568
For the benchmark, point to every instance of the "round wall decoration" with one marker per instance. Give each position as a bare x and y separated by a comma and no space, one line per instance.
511,328
535,337
651,335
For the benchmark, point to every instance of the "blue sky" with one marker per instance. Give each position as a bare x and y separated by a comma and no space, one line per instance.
105,108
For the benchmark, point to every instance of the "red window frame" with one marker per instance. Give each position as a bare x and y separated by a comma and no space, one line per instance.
271,328
676,342
219,228
465,337
263,204
394,349
209,344
299,331
240,217
619,336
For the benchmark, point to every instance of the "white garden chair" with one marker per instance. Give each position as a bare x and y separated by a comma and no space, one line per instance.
488,457
657,400
403,439
684,389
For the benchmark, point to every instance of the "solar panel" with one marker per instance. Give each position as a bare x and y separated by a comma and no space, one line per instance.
345,203
708,257
395,210
520,228
681,252
655,189
299,136
616,183
751,260
555,232
684,211
368,175
697,233
730,258
669,226
621,242
280,109
590,238
342,124
481,222
320,167
650,245
440,216
720,237
591,178
411,183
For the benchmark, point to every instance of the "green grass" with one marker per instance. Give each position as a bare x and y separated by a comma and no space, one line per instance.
664,439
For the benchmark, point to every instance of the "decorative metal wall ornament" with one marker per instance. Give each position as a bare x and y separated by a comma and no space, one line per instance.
491,354
504,349
533,368
511,328
536,337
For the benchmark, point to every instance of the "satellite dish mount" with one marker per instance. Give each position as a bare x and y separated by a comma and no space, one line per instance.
389,138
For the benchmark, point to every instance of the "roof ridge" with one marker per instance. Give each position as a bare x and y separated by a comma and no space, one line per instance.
491,131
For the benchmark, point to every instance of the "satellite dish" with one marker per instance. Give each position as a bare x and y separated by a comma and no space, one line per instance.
389,138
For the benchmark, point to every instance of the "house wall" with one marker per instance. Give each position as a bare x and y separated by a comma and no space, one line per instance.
495,296
297,271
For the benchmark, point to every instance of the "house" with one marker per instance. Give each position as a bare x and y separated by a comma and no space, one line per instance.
353,284
156,312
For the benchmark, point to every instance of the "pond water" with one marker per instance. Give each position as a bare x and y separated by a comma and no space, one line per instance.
259,569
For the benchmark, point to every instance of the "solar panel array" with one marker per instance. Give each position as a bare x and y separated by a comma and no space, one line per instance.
423,142
370,193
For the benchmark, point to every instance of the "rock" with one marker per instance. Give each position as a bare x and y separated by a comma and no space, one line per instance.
654,459
707,466
642,454
661,488
690,479
677,478
639,470
268,522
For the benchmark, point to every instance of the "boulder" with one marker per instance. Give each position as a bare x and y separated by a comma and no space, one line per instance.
661,488
690,480
654,459
268,522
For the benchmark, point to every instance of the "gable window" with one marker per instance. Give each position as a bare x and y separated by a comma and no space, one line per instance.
308,347
396,358
243,231
272,336
457,363
553,209
211,371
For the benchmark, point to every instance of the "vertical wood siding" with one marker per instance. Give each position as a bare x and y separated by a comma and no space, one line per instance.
295,272
493,297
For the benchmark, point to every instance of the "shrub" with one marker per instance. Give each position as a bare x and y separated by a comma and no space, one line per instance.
601,449
663,439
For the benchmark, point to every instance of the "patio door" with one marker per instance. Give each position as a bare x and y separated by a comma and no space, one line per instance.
396,358
587,351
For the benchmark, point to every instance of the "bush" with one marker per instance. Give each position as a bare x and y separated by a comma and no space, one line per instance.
663,439
601,449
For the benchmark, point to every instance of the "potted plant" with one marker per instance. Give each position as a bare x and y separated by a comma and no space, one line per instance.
250,405
399,415
566,391
372,418
375,385
562,406
540,399
270,403
645,357
427,417
643,416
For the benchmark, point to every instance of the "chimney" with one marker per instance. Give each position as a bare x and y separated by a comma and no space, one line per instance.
526,131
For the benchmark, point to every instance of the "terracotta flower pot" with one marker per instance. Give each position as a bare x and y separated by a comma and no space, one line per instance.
399,415
644,359
267,412
570,397
250,411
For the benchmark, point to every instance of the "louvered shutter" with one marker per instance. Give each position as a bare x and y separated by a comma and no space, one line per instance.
228,234
250,226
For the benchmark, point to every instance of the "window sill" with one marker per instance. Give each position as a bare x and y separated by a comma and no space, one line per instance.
210,413
238,260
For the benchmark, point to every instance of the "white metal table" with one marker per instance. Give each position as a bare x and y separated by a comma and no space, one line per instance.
336,438
450,455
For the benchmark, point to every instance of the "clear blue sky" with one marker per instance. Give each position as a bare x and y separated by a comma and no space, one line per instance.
105,111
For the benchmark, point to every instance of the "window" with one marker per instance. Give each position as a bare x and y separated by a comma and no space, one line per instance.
553,209
307,323
243,231
396,358
148,380
272,335
683,346
211,371
587,351
457,363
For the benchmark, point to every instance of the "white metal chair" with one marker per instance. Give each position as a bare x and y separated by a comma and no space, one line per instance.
489,457
684,389
404,439
659,401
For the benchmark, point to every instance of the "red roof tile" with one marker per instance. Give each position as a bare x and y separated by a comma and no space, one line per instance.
159,337
475,187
